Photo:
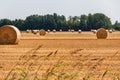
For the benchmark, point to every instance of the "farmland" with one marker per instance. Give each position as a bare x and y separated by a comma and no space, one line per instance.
61,56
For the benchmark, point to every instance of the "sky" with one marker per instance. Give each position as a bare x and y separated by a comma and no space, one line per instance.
20,9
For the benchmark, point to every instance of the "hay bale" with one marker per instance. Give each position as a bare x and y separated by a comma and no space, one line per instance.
34,31
48,30
107,30
42,32
79,31
94,31
101,33
69,30
28,31
110,31
54,30
60,30
9,34
72,30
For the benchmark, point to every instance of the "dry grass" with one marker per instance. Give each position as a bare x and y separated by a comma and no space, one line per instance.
84,58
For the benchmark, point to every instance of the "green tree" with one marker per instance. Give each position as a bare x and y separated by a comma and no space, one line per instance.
55,21
19,23
116,26
83,22
100,20
90,23
50,22
5,22
32,22
60,21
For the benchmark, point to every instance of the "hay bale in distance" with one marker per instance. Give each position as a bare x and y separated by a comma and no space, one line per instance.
42,32
28,31
9,34
60,30
107,30
34,31
54,30
48,30
94,31
79,31
72,30
69,30
110,31
101,33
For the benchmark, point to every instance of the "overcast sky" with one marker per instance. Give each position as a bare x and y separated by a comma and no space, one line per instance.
20,9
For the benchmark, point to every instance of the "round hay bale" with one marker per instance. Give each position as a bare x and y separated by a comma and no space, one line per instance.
60,30
48,30
69,30
42,32
79,31
101,33
54,30
107,30
28,31
110,31
9,34
35,31
72,30
94,31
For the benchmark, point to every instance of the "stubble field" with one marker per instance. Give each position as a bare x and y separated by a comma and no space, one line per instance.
61,56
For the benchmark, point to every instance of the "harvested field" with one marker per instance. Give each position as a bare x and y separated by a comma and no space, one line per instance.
61,56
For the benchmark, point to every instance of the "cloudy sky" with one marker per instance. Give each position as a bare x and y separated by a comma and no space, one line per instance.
20,9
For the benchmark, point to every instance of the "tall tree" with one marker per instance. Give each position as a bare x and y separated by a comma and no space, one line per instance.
100,20
90,23
83,22
116,26
5,22
55,21
32,22
19,23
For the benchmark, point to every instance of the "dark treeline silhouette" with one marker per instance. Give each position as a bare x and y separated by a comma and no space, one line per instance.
55,21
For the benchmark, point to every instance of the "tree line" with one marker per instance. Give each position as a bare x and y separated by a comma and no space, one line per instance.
57,22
